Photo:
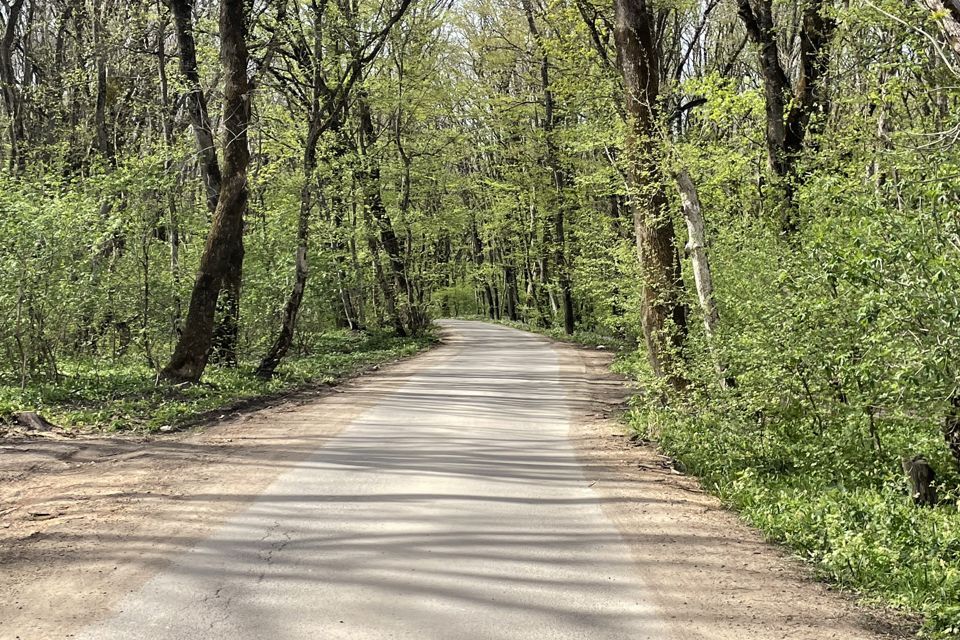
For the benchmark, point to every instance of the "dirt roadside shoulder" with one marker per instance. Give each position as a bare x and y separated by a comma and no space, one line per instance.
84,521
715,576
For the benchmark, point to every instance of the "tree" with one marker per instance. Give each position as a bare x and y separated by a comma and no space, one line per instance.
223,252
663,312
559,174
790,106
10,84
948,14
325,105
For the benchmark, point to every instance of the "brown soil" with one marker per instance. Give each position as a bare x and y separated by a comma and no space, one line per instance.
85,520
715,575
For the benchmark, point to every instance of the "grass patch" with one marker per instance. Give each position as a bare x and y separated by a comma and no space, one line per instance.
857,530
123,396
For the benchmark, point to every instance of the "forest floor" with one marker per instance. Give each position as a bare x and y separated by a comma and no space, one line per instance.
85,522
121,394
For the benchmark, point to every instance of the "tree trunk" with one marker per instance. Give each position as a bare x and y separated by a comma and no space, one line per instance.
288,324
381,219
103,143
226,334
223,251
776,85
560,179
349,312
8,83
702,276
512,297
663,312
921,477
790,109
173,224
196,100
948,12
386,289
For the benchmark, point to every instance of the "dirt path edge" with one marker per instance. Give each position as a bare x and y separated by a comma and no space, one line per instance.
84,521
716,576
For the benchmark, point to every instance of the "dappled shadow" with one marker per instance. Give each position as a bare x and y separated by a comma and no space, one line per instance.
454,507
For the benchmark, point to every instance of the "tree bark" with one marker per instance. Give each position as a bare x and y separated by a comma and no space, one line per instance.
948,12
173,224
226,334
790,109
663,312
921,477
103,142
378,214
11,93
560,178
702,275
182,11
512,297
288,323
223,251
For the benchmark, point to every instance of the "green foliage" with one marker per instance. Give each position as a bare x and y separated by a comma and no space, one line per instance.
125,396
842,342
842,337
854,524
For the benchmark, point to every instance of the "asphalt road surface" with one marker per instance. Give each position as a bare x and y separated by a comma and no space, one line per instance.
454,508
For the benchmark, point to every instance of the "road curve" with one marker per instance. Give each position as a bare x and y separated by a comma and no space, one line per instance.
454,508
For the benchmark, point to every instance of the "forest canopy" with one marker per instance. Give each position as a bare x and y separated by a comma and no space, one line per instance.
759,199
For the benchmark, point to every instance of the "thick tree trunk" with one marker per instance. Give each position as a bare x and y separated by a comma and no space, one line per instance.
223,252
663,312
921,476
226,334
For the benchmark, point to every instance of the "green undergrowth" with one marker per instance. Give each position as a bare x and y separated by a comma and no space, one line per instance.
823,489
124,396
857,528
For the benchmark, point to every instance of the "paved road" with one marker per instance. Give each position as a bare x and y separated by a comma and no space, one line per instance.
454,509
